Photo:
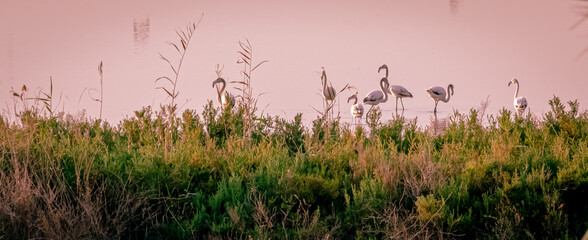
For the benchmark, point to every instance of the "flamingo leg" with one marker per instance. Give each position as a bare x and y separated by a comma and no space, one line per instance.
332,106
435,111
332,109
397,104
402,104
329,104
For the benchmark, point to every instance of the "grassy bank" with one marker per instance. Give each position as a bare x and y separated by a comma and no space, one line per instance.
514,177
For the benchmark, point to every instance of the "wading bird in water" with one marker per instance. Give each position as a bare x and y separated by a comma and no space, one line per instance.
225,98
356,108
439,94
520,103
376,97
396,90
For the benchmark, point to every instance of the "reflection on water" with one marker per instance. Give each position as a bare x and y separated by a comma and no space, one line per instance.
141,33
425,118
454,6
429,121
437,125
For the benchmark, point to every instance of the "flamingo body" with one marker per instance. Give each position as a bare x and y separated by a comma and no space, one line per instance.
437,93
520,103
397,91
375,97
329,93
357,108
225,98
440,94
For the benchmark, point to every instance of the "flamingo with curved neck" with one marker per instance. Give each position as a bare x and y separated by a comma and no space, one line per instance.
376,97
225,98
439,94
397,91
328,91
356,108
520,103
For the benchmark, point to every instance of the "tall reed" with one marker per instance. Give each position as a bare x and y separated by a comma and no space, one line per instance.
248,100
182,48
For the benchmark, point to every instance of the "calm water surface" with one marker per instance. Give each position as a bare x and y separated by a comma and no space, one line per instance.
478,46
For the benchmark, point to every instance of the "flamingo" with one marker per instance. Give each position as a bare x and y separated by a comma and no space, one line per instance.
356,108
329,93
439,94
520,103
225,98
396,90
376,97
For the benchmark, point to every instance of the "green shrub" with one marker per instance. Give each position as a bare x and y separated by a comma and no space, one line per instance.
517,177
292,134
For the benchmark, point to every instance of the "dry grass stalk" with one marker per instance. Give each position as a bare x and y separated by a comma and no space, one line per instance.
100,100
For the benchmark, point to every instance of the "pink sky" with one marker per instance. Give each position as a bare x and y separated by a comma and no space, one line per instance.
478,49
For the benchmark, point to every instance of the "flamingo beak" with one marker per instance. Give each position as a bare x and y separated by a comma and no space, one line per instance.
509,83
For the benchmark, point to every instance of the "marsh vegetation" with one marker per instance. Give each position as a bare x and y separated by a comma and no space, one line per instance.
233,172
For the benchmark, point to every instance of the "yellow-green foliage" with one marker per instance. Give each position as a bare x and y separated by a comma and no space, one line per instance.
515,177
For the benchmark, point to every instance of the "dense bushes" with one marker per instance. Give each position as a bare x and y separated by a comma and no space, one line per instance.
513,177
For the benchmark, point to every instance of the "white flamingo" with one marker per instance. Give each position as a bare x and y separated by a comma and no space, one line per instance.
356,108
396,90
376,97
225,98
439,94
520,103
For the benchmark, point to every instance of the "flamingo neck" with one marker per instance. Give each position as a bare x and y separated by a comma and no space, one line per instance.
325,92
449,88
385,68
382,83
223,87
516,91
222,91
354,97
